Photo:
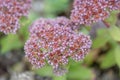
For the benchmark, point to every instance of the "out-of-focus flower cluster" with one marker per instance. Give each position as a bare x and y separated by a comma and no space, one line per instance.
55,43
10,13
90,11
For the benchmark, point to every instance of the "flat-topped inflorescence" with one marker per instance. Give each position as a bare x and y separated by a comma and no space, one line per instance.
10,13
61,21
90,11
55,44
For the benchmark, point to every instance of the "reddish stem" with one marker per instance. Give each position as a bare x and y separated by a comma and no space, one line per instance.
106,23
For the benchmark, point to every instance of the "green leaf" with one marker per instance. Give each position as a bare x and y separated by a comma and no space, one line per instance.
112,18
23,31
25,24
117,55
64,77
84,30
91,57
10,42
101,39
79,72
108,60
115,33
48,71
55,6
45,71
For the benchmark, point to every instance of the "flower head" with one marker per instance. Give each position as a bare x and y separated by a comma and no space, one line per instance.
61,21
90,11
113,4
10,13
65,22
55,44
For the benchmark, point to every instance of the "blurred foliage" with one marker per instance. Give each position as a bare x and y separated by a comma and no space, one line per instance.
108,60
101,39
113,18
115,33
10,42
75,71
117,55
105,49
53,7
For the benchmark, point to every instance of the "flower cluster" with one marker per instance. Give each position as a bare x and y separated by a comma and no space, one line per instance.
55,44
10,13
90,11
54,40
113,4
61,21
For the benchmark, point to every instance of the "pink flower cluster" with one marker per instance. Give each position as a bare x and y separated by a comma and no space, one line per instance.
61,21
90,11
55,43
10,13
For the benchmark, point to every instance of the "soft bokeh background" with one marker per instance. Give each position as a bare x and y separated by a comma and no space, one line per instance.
102,63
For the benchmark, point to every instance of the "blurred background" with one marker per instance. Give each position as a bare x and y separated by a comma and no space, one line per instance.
102,62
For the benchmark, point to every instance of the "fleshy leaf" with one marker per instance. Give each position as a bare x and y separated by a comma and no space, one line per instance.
108,60
79,72
115,33
10,42
117,55
101,39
